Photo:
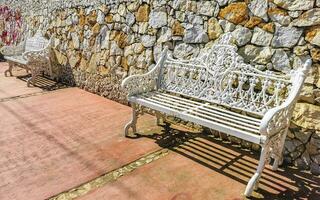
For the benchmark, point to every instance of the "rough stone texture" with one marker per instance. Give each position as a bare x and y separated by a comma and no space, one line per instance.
195,34
242,35
279,15
313,35
286,37
235,12
280,61
259,8
184,51
177,29
295,4
158,19
99,43
307,116
309,18
142,14
258,55
261,37
214,29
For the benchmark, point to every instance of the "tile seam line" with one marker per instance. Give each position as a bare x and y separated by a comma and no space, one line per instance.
24,96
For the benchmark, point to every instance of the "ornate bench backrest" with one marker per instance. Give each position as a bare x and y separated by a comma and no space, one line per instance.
221,76
37,42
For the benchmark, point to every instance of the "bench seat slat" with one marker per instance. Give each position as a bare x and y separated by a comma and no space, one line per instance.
246,135
194,111
220,117
215,108
251,122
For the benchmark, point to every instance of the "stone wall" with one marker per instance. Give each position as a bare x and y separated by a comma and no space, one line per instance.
99,43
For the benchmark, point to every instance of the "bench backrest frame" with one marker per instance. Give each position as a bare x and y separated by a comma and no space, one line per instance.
221,76
35,43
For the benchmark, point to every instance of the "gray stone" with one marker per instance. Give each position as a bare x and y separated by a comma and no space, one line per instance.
195,19
316,159
298,61
303,162
100,17
148,40
306,158
195,34
242,35
315,169
254,54
280,18
309,18
130,19
143,27
261,37
185,51
318,3
115,50
157,19
222,2
75,40
264,56
286,37
177,4
165,35
122,10
303,136
295,14
259,8
227,26
295,4
206,8
180,16
75,19
280,61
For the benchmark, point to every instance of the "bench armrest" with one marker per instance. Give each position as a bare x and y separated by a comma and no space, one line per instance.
13,50
137,84
278,118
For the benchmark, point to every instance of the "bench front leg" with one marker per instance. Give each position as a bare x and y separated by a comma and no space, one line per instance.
32,79
254,181
133,123
11,64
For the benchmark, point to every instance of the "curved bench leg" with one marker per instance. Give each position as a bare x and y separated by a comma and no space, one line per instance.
279,154
32,79
254,181
159,118
133,123
9,70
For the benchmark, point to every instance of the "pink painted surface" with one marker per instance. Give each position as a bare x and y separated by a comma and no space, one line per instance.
54,142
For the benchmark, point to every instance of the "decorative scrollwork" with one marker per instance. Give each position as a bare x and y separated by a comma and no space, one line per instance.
221,76
138,84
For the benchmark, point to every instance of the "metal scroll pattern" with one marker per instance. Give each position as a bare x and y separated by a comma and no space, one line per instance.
221,76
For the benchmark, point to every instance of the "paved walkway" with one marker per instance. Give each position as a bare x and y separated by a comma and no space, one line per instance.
68,143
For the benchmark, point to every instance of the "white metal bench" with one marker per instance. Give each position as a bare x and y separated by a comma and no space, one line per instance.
33,54
219,91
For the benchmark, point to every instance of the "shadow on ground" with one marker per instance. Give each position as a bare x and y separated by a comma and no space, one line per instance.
44,83
238,164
